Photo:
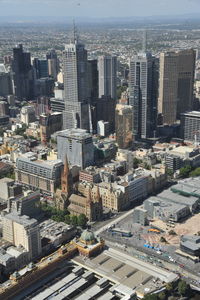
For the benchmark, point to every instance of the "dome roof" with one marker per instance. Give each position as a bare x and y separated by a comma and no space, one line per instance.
87,236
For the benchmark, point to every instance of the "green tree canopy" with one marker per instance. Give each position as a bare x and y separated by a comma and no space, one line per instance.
82,220
74,220
183,288
185,171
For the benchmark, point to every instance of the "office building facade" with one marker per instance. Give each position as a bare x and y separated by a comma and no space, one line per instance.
107,67
76,94
22,73
175,85
21,230
77,146
38,174
190,126
143,97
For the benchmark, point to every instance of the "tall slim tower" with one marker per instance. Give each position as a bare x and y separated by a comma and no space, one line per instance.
107,66
143,98
76,113
23,75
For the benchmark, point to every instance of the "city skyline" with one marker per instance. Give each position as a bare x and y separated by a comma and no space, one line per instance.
89,8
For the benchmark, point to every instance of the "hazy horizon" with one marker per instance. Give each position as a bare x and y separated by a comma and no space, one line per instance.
97,9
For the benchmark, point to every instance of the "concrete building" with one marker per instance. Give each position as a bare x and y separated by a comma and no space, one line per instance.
190,245
90,174
190,126
140,216
143,95
9,189
28,114
107,67
21,230
125,155
27,204
124,126
77,145
168,87
76,94
4,109
7,262
49,123
55,233
182,156
39,174
5,82
103,128
176,84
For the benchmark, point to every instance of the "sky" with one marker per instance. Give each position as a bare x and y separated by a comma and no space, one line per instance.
97,8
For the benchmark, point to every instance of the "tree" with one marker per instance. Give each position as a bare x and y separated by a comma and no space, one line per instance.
185,171
74,220
136,162
151,297
162,296
183,288
82,220
169,172
195,173
169,287
67,219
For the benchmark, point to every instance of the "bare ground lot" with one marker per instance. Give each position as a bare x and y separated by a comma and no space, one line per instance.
189,227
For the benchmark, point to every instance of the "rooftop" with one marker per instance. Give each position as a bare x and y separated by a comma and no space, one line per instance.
78,133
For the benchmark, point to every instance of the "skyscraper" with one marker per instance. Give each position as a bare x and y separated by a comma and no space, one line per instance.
124,125
175,84
107,66
76,113
143,96
23,75
186,70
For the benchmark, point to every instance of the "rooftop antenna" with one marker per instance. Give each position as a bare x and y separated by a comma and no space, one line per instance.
144,42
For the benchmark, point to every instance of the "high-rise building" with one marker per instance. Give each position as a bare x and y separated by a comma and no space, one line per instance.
143,96
21,230
4,109
107,66
49,123
103,109
77,146
175,84
186,70
5,82
190,126
27,114
93,80
53,63
124,125
41,68
76,96
23,75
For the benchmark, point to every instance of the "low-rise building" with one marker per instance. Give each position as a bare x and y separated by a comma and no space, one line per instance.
53,234
181,156
190,245
39,174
